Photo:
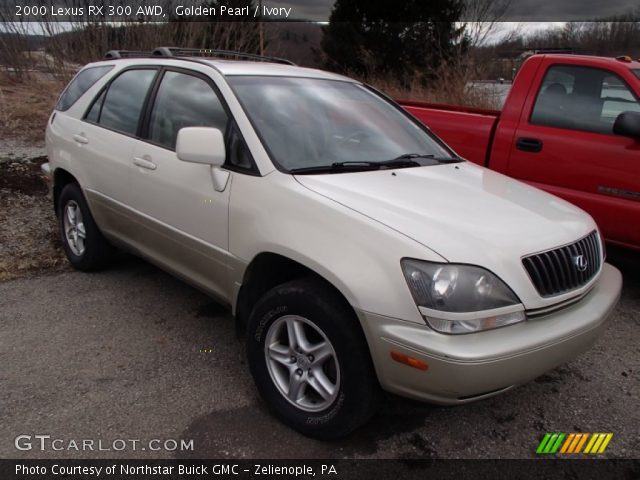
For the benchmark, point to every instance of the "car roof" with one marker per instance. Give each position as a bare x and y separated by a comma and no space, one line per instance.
232,67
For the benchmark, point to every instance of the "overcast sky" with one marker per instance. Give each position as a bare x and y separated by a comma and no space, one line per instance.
519,10
526,15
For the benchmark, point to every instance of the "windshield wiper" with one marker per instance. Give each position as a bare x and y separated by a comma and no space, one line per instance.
355,166
399,162
337,167
430,156
403,161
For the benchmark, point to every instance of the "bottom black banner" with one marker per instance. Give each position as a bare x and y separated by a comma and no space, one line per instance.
318,469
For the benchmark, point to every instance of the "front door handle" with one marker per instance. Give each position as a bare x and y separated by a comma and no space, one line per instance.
144,163
80,138
529,144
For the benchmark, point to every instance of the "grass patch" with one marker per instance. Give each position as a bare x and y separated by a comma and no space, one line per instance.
25,107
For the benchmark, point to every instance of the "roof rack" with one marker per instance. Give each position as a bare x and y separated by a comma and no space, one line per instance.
111,54
195,52
212,52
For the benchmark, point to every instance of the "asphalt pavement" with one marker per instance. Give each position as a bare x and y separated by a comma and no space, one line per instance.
131,353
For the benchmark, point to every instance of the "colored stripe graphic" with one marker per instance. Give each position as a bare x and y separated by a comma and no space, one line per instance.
577,443
607,439
583,439
556,446
592,440
543,443
573,443
550,443
582,442
568,442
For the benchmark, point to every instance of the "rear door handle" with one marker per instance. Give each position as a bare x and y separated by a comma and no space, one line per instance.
144,163
81,139
529,144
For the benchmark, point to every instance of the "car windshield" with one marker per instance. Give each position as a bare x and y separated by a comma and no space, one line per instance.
316,124
637,72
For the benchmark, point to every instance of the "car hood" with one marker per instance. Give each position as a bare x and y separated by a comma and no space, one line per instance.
463,212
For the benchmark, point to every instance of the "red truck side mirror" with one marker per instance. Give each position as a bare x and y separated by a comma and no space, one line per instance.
628,125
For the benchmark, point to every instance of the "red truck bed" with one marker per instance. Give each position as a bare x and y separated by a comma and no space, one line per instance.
468,132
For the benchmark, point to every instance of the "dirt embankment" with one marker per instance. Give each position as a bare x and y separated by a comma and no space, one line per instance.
29,240
28,229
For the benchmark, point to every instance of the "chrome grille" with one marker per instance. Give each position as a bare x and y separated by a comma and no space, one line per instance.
564,269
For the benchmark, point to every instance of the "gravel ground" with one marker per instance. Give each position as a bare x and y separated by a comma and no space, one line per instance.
133,353
16,149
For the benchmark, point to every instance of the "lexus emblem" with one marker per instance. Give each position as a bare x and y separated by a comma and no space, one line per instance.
580,262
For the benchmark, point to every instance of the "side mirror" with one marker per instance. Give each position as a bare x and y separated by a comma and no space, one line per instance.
201,145
628,125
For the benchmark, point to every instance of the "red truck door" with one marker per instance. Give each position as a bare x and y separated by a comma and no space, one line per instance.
564,143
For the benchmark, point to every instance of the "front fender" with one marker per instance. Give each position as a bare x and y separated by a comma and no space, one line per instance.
356,254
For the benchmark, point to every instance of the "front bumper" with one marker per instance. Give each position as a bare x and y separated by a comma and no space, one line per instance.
463,368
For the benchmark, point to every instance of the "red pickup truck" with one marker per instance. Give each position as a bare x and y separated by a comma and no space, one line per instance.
571,126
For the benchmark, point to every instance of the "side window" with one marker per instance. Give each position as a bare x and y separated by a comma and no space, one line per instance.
184,101
582,98
124,100
79,85
94,112
616,98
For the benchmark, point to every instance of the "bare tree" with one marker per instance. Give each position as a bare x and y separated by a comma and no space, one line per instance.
482,18
15,53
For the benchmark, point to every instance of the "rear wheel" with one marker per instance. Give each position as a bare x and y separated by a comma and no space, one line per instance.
82,241
310,361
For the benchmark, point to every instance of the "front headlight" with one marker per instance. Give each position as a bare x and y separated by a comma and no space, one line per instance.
461,298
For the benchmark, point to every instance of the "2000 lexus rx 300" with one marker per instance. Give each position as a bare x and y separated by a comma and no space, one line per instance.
357,249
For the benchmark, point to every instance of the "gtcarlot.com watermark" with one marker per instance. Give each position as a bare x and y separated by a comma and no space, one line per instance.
43,443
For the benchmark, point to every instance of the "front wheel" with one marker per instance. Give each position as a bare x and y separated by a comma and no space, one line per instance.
82,241
310,361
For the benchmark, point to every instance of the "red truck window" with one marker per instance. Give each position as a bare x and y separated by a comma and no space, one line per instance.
582,98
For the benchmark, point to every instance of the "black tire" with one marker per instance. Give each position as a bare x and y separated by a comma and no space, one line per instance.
97,251
358,390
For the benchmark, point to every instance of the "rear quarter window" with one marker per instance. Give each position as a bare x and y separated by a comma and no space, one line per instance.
79,85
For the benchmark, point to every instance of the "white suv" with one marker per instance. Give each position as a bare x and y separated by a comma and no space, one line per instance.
356,248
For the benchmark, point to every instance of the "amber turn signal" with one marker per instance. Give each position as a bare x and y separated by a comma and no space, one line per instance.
411,361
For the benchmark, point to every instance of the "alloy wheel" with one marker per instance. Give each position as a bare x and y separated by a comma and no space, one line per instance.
74,229
302,363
